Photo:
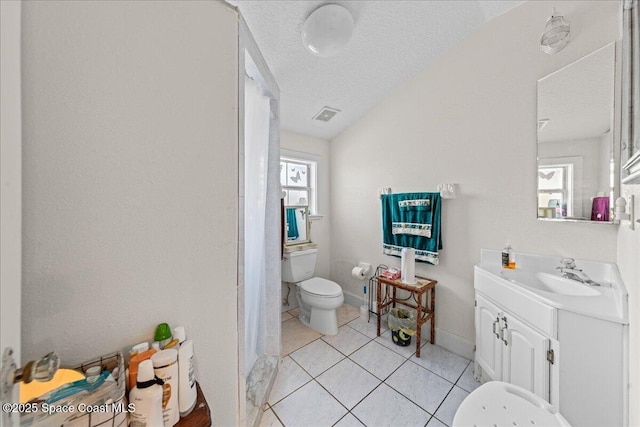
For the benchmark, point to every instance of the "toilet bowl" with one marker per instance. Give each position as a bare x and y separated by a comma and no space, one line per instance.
318,299
497,403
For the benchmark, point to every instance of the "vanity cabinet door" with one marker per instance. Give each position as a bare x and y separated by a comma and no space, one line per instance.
488,346
525,357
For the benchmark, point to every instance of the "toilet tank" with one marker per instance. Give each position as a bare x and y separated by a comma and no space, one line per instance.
298,265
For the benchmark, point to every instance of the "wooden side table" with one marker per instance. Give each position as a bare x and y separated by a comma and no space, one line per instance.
201,414
425,307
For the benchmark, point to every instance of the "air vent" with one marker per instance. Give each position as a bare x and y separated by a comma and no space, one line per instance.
326,114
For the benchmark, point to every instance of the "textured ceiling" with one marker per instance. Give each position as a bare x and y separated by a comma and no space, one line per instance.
392,41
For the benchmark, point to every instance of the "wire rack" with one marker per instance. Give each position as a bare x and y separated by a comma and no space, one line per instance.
104,407
373,291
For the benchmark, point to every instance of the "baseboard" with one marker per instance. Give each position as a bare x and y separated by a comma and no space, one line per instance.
352,300
444,339
453,343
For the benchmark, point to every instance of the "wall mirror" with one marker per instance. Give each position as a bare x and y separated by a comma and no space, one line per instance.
576,142
296,224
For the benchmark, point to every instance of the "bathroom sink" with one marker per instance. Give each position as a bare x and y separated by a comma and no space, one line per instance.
537,278
549,283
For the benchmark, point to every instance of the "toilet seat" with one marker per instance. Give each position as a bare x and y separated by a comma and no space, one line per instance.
320,287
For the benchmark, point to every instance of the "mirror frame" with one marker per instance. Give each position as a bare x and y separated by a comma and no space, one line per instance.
630,128
616,140
286,240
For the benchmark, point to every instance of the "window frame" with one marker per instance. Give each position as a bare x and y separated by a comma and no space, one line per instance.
567,189
313,163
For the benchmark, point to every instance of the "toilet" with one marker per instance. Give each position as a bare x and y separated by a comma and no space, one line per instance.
317,298
501,404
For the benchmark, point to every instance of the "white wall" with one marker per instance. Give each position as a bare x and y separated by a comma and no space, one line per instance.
320,226
10,182
468,119
131,182
628,256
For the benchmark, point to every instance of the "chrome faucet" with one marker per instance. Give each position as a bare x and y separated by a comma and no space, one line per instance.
569,270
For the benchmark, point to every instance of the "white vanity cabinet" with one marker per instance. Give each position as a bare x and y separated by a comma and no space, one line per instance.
488,343
566,344
509,350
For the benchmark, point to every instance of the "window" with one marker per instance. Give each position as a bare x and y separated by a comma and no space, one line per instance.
298,178
555,189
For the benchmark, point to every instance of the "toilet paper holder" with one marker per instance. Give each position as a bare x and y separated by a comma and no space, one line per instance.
361,271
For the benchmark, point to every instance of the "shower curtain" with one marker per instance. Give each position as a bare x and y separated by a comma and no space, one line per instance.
257,115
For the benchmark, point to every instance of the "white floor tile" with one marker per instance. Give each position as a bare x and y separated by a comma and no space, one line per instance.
317,357
442,362
370,328
269,419
348,382
349,421
406,351
466,381
423,387
348,340
310,406
290,377
377,359
386,407
346,313
448,409
295,335
434,422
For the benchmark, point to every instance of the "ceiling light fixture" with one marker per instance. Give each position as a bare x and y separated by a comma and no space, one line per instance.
327,30
556,34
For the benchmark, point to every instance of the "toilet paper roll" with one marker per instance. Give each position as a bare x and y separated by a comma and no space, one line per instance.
358,273
408,266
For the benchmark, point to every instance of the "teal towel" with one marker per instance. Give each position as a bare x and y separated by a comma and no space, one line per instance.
412,220
292,224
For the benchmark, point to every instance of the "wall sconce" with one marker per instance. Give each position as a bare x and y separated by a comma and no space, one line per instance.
556,34
623,213
447,191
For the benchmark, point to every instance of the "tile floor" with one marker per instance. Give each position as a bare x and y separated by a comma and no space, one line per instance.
358,379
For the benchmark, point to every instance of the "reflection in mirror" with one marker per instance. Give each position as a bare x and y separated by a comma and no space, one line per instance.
576,166
297,224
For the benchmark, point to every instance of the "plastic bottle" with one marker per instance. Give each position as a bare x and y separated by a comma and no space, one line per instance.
508,260
147,398
138,348
134,363
165,366
187,392
163,334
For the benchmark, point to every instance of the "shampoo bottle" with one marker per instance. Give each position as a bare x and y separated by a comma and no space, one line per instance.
134,363
165,366
187,393
147,398
508,261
